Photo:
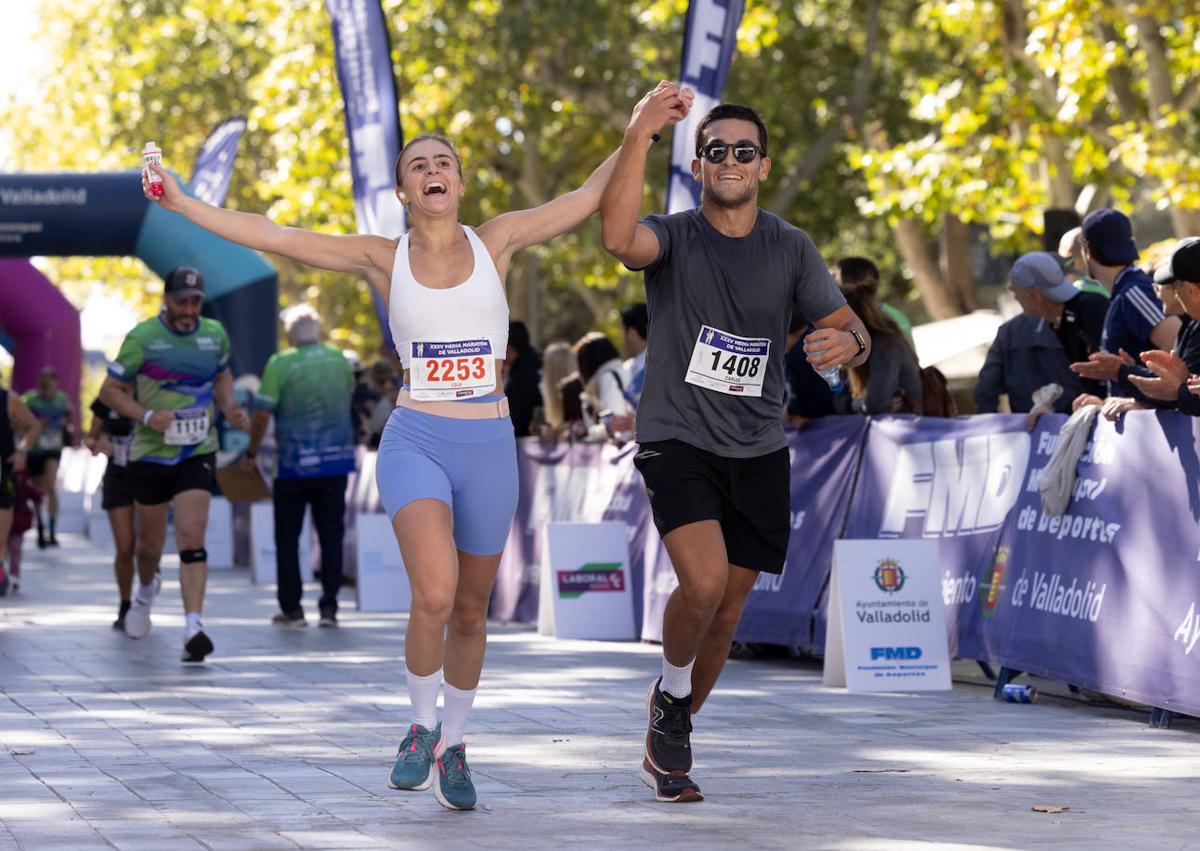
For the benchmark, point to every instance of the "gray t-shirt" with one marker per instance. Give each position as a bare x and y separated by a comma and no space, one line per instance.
737,295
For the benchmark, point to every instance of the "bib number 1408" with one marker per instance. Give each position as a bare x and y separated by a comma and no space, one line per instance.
727,363
742,366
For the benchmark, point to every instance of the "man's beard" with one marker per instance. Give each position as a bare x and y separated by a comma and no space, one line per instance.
729,203
175,319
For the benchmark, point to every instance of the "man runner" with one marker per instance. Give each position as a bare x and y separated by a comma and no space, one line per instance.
166,377
722,282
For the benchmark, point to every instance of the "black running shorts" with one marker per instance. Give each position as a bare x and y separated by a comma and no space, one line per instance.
35,463
118,493
154,484
8,486
749,497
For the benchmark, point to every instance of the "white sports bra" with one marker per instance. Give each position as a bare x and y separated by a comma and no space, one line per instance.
476,309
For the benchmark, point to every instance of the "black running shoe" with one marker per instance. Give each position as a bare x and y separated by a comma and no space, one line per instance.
119,623
668,738
196,648
673,788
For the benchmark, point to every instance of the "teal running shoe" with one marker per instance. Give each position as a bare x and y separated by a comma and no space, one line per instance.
414,769
454,789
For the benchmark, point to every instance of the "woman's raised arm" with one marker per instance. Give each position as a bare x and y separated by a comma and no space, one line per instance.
362,254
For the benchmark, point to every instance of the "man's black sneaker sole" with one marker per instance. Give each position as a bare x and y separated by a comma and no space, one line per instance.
655,759
197,647
673,788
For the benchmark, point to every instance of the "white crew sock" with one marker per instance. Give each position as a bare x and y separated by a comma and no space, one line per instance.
193,625
145,592
676,682
422,696
455,709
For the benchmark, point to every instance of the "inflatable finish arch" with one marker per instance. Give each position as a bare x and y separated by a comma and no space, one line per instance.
65,215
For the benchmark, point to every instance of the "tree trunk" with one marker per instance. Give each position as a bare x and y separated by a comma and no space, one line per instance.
1060,188
1186,222
940,299
1162,97
818,153
955,261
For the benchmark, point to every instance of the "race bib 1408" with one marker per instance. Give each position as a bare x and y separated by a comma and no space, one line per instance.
727,363
459,369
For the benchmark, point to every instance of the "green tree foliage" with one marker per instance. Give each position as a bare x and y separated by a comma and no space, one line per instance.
1036,100
922,115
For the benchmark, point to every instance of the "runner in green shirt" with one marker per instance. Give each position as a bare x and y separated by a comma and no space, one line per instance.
53,409
169,376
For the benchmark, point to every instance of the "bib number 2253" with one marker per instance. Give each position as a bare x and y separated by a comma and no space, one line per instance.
452,370
728,363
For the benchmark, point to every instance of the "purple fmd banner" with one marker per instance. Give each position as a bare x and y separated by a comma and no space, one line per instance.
1107,595
709,41
364,69
950,480
214,164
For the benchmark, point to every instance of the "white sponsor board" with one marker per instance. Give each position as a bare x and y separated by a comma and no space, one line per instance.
887,621
262,544
584,589
382,580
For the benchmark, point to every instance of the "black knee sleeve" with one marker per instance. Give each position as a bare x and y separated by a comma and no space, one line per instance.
192,556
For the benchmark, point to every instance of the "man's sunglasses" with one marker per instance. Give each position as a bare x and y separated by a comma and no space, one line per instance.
743,152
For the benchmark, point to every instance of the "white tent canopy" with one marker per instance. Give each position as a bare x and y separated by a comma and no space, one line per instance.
957,346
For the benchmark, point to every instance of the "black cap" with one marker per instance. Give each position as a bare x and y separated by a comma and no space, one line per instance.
1110,234
183,282
1183,265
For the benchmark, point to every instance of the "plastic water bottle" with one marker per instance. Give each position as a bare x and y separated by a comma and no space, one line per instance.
153,154
833,377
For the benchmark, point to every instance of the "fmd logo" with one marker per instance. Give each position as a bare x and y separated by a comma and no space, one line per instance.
889,653
956,486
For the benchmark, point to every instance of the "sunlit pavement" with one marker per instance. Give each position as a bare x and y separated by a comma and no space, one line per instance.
285,740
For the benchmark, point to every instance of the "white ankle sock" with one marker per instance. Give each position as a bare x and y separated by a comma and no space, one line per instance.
422,696
455,709
145,593
676,682
193,625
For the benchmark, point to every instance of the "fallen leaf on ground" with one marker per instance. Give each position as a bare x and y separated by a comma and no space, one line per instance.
1047,808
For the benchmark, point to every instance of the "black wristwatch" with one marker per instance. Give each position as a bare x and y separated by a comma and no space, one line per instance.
862,344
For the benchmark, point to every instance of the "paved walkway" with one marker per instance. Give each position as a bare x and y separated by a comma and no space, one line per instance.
285,739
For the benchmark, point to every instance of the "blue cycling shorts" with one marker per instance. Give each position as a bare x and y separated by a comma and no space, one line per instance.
470,465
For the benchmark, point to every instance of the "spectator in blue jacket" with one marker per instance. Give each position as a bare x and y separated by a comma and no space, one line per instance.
1025,355
1135,321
